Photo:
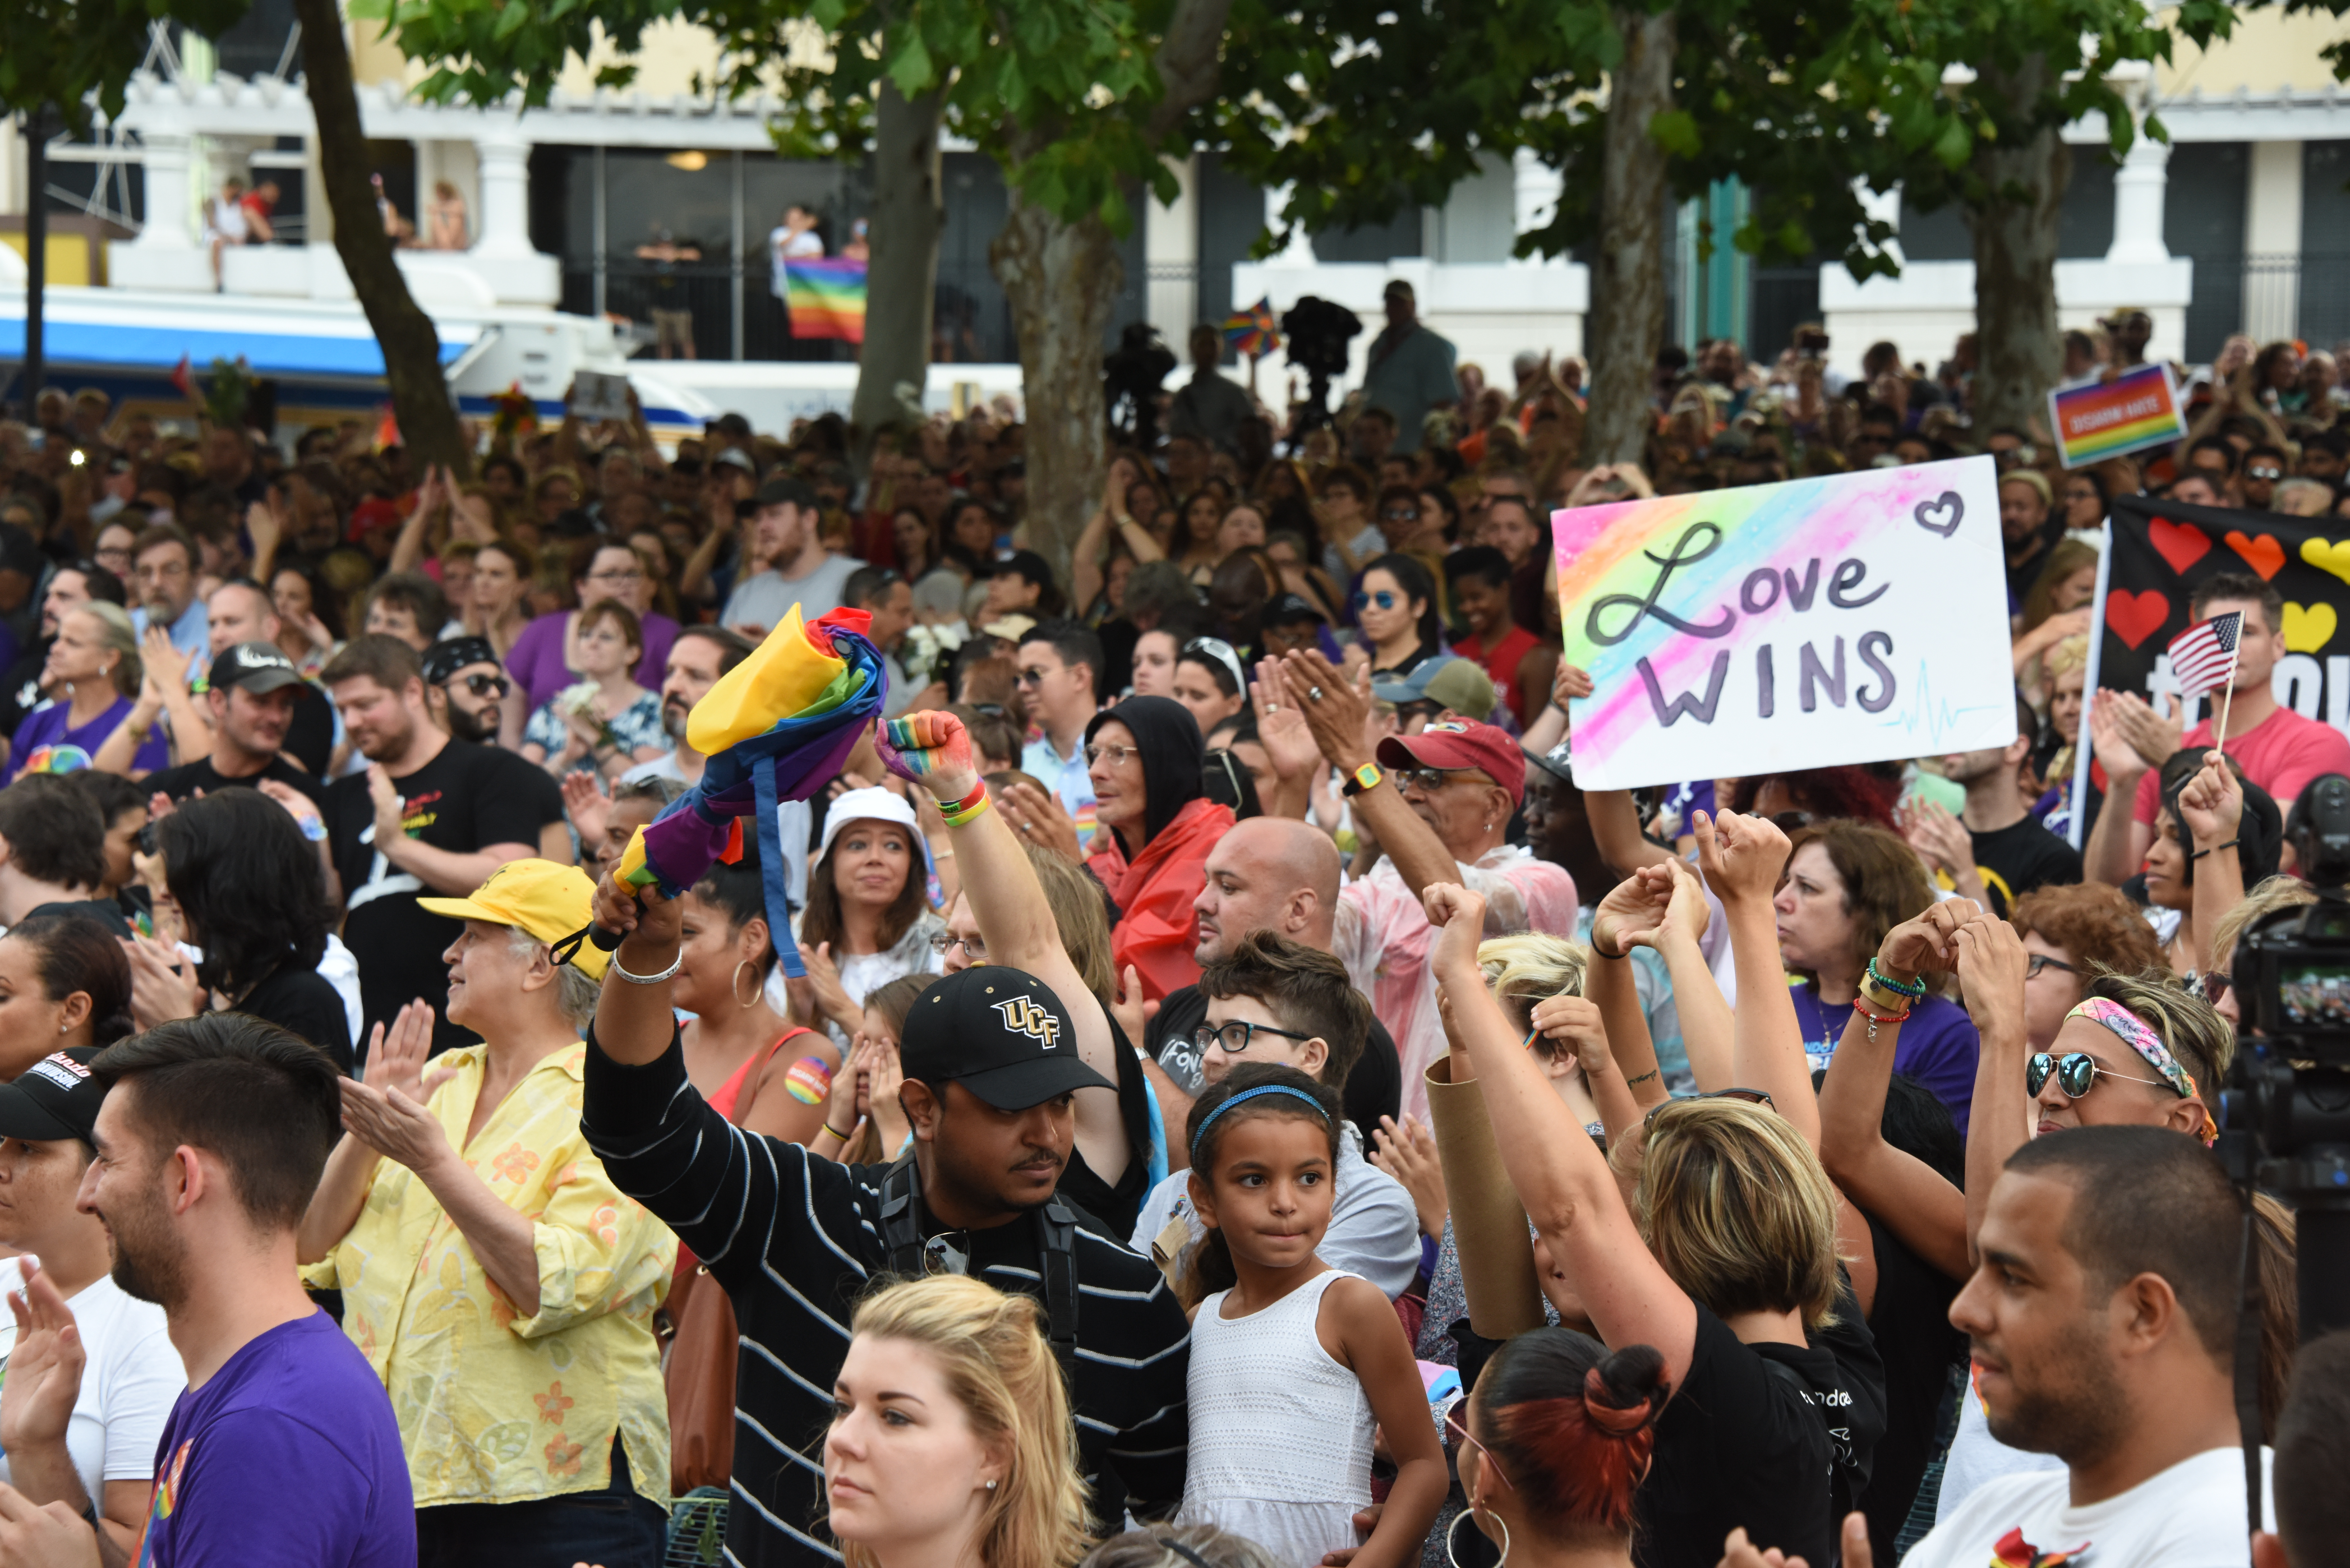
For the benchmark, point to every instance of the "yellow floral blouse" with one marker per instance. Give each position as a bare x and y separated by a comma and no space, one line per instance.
494,1408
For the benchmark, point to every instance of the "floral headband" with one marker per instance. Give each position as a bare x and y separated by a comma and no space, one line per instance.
2133,1032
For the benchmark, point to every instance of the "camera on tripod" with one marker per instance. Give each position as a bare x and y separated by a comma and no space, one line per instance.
2285,1114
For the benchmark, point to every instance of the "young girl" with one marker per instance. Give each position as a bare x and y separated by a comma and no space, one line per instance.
1293,1361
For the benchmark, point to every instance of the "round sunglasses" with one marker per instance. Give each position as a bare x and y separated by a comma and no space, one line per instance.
2076,1071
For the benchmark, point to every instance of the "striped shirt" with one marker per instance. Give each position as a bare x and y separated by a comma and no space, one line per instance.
796,1240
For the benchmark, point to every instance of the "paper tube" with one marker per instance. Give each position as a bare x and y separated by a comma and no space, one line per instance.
1489,1224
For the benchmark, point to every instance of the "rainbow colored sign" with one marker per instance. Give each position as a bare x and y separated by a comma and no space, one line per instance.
1854,619
2099,420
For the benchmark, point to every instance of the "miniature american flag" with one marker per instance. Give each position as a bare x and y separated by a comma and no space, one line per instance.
2203,656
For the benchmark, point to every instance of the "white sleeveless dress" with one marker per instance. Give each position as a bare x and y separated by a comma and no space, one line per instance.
1281,1433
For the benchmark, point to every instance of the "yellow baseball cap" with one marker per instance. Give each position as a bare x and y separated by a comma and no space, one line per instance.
547,900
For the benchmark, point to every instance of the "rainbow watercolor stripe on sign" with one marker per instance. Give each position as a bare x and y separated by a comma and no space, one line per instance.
825,298
1818,621
2099,420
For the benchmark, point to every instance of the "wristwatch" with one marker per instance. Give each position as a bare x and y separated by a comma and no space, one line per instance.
1367,776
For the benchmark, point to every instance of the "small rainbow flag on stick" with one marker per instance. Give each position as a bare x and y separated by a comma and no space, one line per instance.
825,298
1252,331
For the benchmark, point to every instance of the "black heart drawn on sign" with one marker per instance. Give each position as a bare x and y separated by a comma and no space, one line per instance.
1930,514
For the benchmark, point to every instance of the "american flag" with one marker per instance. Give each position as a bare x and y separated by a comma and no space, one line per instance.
2203,656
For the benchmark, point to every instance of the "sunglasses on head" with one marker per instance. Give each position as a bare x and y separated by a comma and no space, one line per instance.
2076,1071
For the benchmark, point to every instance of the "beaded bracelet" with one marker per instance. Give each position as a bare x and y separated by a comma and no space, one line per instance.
1913,990
967,809
1877,1018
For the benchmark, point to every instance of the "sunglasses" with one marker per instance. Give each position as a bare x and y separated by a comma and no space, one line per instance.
1383,598
1459,1427
1235,1036
2076,1071
2039,962
1401,515
1427,781
1748,1096
485,685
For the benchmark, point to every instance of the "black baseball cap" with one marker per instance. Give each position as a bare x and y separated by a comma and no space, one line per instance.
1001,1032
1026,564
1291,608
786,491
450,654
257,667
55,1098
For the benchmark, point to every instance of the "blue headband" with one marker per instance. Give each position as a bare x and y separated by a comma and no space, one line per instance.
1257,1093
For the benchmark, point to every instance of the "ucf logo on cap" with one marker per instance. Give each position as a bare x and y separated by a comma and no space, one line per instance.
1022,1015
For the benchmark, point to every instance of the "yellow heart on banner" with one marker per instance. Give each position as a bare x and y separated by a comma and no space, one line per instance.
2308,628
2328,556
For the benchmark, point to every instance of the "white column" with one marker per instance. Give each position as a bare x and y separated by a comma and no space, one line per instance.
168,200
2272,241
1299,252
12,167
1535,187
2140,185
503,222
1170,250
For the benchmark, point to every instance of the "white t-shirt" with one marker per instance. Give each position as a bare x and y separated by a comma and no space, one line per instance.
131,1376
762,599
2189,1516
1977,1458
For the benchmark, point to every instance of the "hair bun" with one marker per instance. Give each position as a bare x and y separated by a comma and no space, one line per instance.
1624,1393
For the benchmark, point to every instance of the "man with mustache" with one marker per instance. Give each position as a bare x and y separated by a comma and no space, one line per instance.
994,1059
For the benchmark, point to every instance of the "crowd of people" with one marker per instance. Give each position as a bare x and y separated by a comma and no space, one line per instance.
1224,1096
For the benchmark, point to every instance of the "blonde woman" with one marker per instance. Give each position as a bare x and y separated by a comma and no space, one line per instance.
1724,1255
93,670
952,1444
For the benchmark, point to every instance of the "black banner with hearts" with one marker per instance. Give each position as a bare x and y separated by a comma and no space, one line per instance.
2163,551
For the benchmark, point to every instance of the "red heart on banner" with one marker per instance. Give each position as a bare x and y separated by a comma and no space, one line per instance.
2262,553
2180,544
2134,617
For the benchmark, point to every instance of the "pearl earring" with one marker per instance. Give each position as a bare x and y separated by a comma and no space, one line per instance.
991,1486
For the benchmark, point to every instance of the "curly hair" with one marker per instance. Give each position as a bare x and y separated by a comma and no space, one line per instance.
1884,883
2094,924
1853,792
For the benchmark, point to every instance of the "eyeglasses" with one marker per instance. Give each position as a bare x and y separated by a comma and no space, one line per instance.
1747,1096
1459,1427
1383,598
1401,515
2076,1072
2265,472
1235,1036
973,947
1116,756
1427,781
483,685
2037,962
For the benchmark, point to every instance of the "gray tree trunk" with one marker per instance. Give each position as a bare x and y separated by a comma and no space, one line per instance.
1629,290
2020,352
1060,278
901,280
412,347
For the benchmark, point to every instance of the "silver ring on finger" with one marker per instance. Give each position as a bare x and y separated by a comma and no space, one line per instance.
1314,693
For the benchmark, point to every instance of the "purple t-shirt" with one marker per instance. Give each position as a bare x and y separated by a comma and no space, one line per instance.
536,665
70,751
1938,1045
296,1414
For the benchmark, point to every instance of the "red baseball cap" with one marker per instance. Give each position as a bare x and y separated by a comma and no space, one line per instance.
1461,745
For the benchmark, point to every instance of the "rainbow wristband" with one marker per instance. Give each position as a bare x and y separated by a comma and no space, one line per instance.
968,808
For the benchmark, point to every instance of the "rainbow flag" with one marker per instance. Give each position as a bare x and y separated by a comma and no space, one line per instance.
2099,420
826,297
1252,331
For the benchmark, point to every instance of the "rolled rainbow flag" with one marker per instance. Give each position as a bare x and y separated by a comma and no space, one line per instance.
825,296
776,727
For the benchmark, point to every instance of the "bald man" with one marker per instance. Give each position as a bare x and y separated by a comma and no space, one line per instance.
1270,874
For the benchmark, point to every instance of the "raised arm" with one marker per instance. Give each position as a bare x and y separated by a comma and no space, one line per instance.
1709,1029
2211,810
1559,1173
1742,858
1992,965
1912,1198
932,750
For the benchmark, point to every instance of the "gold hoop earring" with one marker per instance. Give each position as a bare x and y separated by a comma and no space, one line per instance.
734,985
1455,1529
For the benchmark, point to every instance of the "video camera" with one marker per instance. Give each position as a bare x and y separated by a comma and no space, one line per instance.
2284,1114
1319,332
